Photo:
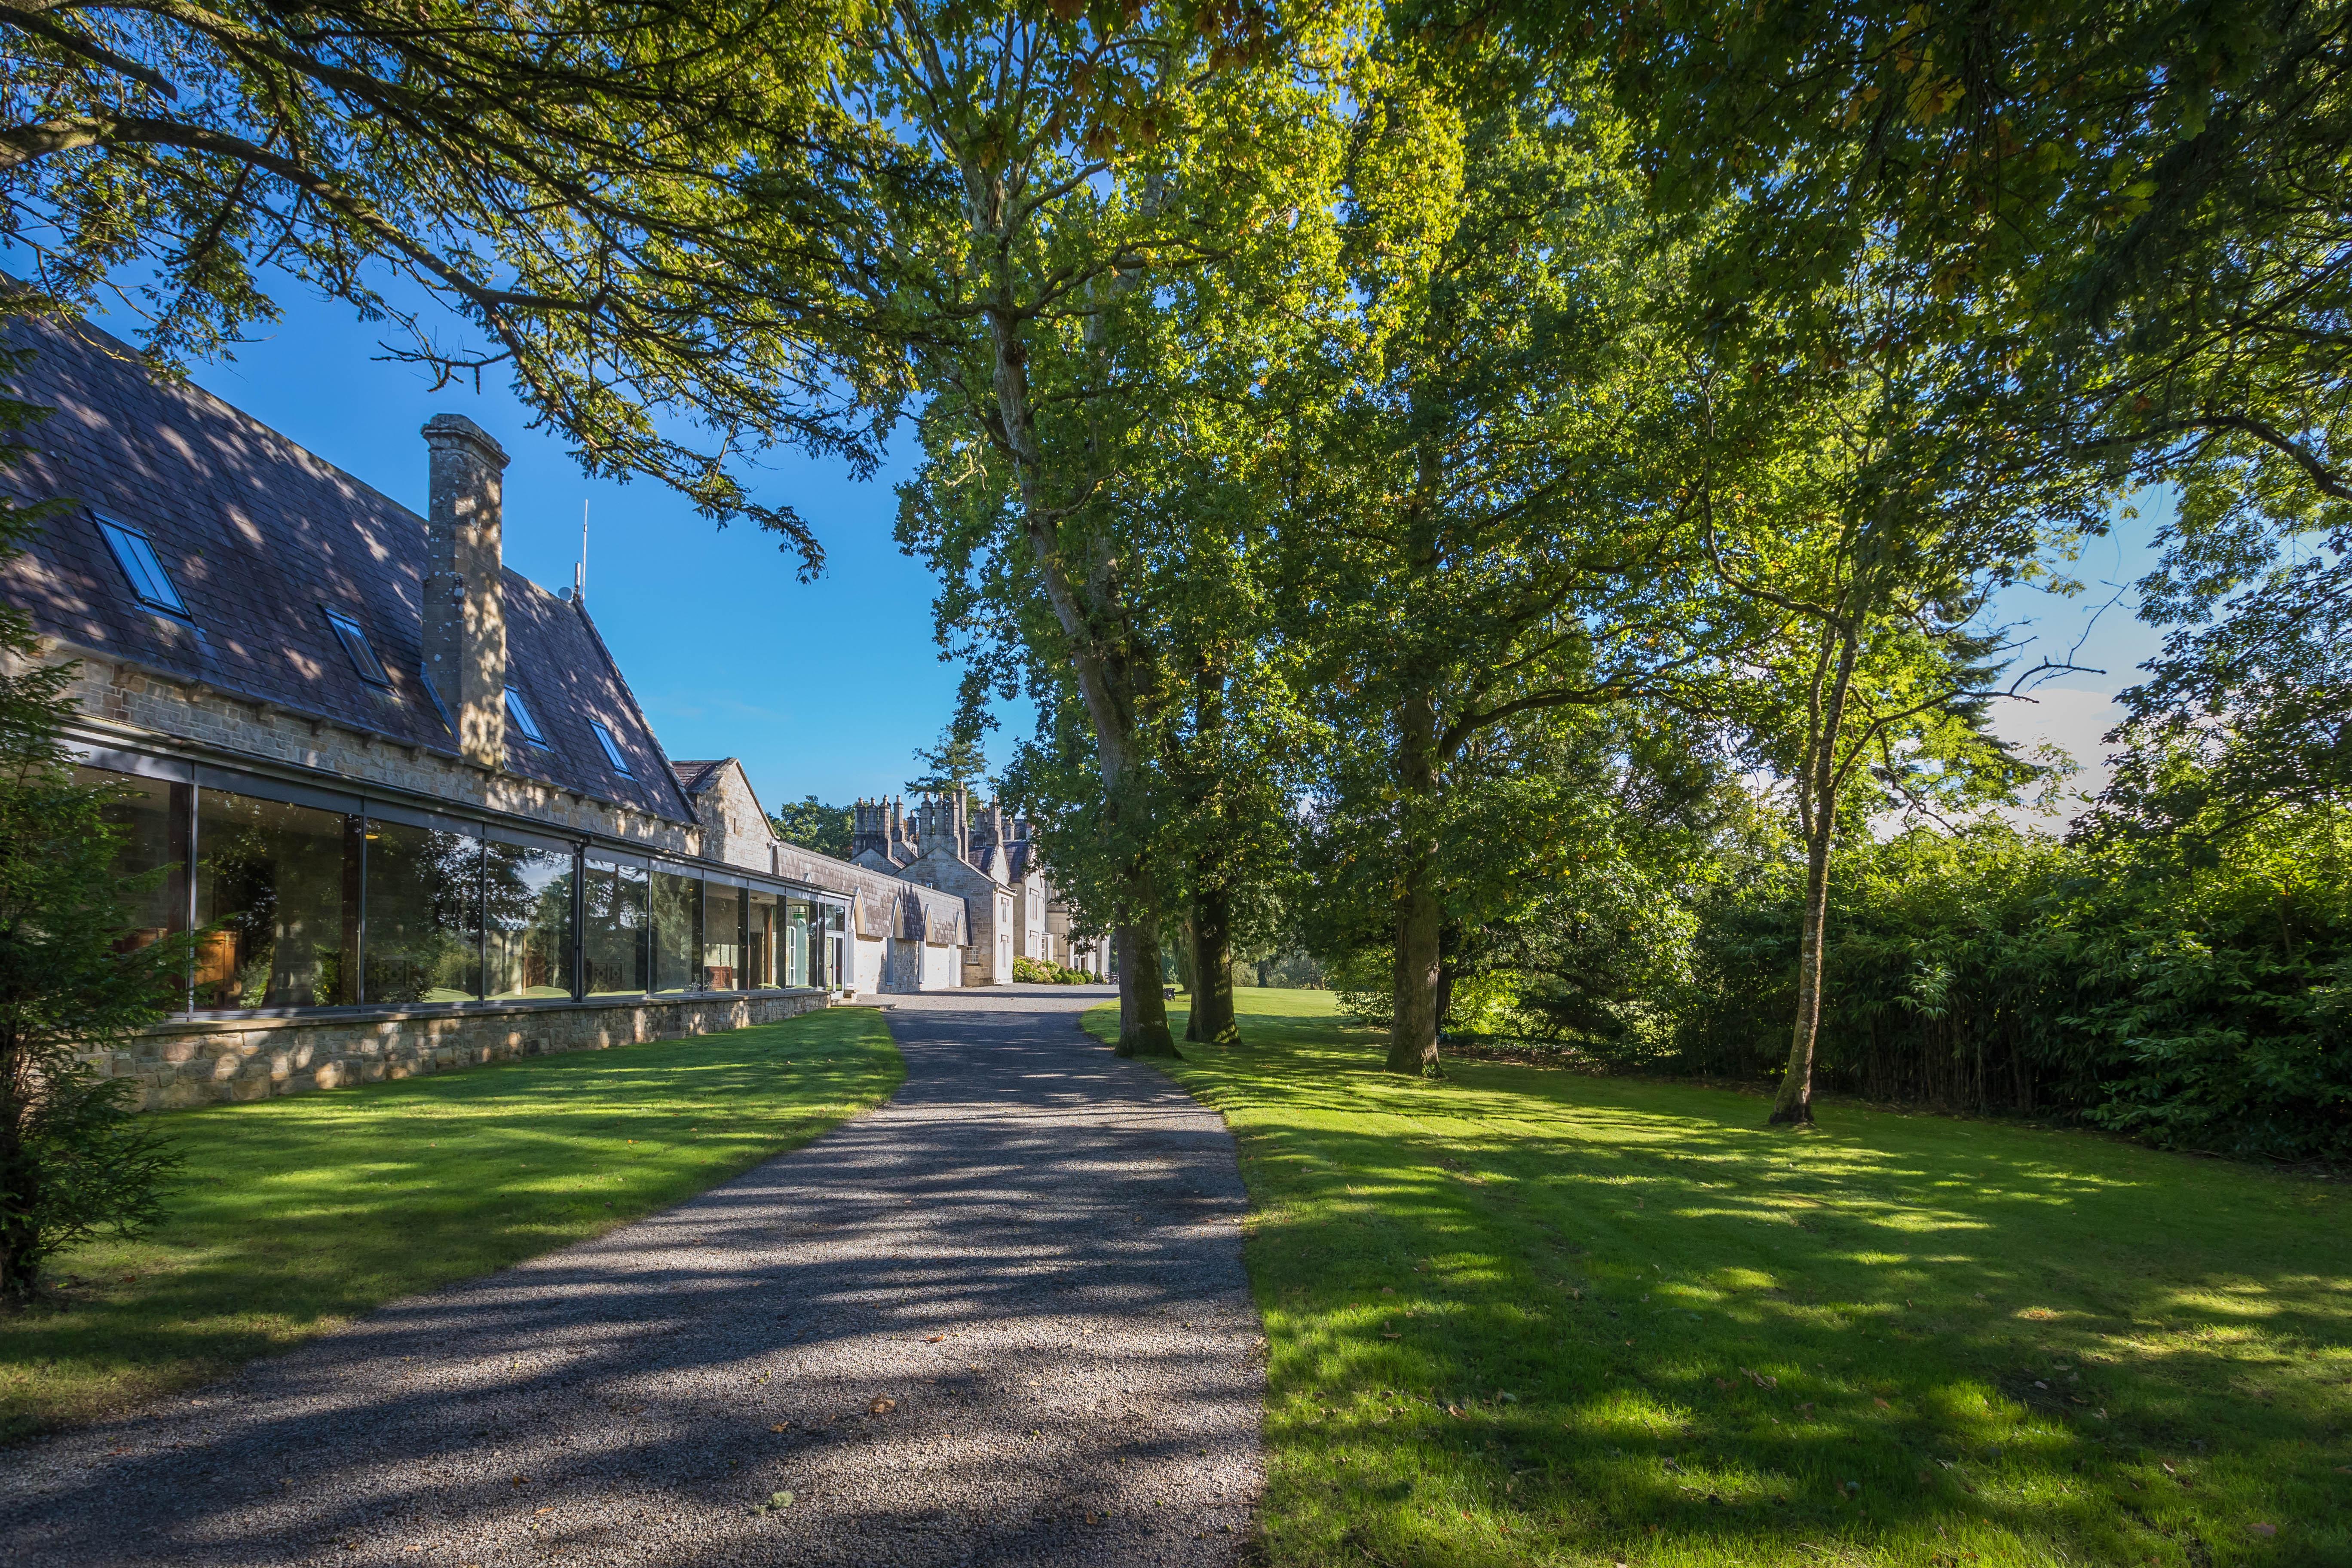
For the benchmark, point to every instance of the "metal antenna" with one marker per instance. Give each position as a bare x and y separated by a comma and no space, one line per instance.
580,572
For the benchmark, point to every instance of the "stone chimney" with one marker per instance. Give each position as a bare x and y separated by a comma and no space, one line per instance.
465,608
870,828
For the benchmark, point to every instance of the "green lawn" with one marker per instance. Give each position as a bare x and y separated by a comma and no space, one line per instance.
1525,1316
297,1215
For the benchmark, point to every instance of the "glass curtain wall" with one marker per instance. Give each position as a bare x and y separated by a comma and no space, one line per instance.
760,931
150,818
824,947
316,908
613,947
281,884
424,914
527,921
722,937
796,941
677,933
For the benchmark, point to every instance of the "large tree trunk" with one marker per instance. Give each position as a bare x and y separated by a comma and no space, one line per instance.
1412,1035
1143,1008
1213,970
1817,802
1413,1029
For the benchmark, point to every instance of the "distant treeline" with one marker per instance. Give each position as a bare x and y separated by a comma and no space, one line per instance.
2192,995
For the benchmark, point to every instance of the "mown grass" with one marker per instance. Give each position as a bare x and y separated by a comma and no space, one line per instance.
1630,1324
294,1216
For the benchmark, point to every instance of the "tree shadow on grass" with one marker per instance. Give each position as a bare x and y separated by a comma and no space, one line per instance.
946,1328
291,1216
1627,1321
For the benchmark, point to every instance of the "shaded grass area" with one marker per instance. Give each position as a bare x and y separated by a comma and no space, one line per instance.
294,1216
1525,1316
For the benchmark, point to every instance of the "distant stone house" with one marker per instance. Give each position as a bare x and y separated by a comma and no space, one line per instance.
989,859
406,792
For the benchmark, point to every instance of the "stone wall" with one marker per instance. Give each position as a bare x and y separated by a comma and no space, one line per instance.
199,1063
149,705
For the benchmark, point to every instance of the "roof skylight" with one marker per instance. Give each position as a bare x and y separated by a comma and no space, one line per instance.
135,553
612,749
519,712
355,643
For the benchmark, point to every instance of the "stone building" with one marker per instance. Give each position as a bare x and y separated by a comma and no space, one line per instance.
988,860
405,791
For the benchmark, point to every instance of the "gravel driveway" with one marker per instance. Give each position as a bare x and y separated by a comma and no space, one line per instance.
1002,1320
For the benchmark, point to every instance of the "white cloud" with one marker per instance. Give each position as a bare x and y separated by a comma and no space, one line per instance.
2072,721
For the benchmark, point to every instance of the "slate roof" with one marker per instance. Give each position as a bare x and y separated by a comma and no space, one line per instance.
260,535
696,778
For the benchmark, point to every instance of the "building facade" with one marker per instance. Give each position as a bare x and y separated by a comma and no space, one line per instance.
405,791
989,859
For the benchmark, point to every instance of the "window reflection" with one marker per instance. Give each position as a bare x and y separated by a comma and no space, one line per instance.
281,885
424,914
722,937
796,941
760,931
527,921
678,931
613,945
149,817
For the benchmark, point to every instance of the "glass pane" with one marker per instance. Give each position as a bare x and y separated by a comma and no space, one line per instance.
281,884
678,931
796,941
722,937
614,948
527,916
152,817
761,929
424,914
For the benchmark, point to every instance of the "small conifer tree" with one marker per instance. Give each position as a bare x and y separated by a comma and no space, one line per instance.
74,1159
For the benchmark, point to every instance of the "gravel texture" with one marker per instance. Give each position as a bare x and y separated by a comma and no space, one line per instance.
1002,1320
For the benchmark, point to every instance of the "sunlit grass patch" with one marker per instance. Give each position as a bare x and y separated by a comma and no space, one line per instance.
294,1216
1524,1316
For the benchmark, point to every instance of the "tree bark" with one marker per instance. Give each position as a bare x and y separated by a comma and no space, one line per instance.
1213,970
1817,801
1413,1029
1143,1010
1794,1105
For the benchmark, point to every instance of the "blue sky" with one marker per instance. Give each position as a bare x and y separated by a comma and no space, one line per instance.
827,688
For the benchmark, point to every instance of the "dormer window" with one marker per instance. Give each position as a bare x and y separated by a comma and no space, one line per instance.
355,643
612,749
518,715
135,553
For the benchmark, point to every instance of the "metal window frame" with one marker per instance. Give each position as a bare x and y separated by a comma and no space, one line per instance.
519,709
114,531
348,632
612,745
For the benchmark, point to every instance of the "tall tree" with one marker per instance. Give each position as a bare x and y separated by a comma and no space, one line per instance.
74,1160
1068,166
1486,464
569,184
2141,208
1864,492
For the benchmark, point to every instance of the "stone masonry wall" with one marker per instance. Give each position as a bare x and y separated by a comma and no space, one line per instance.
182,1063
123,694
